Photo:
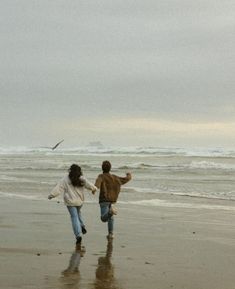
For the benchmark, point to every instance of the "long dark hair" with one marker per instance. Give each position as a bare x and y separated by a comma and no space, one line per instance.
75,172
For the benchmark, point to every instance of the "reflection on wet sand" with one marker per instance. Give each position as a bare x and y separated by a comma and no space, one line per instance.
104,274
71,276
105,278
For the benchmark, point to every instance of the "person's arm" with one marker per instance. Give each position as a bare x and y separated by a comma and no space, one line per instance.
58,189
124,180
88,185
98,181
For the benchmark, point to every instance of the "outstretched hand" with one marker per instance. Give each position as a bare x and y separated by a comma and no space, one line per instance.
129,175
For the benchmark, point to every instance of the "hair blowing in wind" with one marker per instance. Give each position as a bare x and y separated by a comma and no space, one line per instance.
75,172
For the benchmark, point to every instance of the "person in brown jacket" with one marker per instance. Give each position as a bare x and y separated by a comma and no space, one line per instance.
109,186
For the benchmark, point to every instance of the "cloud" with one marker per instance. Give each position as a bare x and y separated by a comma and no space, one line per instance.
126,131
117,125
170,61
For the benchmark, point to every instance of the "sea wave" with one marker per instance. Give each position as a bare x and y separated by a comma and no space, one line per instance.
139,190
226,196
140,166
50,167
16,179
203,165
22,196
11,179
192,165
134,150
169,204
29,197
211,165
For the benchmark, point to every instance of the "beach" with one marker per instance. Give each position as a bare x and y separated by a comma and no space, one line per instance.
154,247
175,226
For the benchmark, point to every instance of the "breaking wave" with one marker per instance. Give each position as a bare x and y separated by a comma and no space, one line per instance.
164,203
134,150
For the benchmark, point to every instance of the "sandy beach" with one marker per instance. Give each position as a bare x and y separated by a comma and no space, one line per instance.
154,247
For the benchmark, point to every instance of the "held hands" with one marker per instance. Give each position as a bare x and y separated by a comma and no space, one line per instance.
94,190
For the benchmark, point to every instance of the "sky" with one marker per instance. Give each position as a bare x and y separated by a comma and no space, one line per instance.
123,72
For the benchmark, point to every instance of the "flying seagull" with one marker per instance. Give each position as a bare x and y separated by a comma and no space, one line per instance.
55,146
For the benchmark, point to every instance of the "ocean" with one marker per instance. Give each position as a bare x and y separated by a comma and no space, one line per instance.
170,177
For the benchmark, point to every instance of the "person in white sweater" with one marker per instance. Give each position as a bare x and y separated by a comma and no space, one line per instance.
72,187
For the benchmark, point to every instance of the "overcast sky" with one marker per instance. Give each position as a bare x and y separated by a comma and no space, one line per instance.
125,72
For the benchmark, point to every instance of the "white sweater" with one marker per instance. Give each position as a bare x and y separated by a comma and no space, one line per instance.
73,196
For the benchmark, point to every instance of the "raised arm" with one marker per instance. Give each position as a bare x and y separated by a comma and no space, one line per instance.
58,189
124,180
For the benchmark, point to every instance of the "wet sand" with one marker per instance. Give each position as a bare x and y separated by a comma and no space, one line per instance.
154,247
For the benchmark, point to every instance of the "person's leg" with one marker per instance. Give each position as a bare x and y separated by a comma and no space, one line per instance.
83,228
106,216
73,211
110,224
104,211
80,216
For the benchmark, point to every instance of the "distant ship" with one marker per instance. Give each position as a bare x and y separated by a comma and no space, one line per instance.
96,144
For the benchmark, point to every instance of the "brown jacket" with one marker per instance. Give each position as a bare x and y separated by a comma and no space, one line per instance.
110,186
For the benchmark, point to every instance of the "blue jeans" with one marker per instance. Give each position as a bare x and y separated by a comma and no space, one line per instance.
106,216
76,219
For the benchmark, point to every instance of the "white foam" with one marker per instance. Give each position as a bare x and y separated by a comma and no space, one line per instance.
164,203
138,190
211,165
131,150
21,196
229,196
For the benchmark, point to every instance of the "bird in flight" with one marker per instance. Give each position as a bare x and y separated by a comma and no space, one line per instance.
55,146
